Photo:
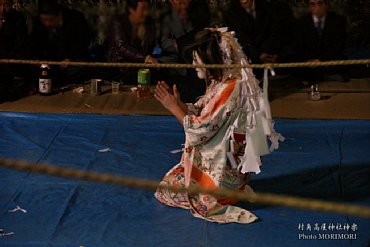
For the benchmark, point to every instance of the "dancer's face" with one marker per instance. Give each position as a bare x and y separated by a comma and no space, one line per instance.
201,72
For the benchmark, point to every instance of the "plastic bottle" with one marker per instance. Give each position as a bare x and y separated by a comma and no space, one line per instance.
143,84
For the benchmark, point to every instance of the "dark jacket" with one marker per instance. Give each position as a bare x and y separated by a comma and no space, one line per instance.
329,46
255,35
71,41
123,47
13,36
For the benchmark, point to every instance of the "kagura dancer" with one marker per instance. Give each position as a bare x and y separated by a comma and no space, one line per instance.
226,131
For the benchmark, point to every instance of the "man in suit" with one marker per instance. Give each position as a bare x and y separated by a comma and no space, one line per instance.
61,34
257,28
321,36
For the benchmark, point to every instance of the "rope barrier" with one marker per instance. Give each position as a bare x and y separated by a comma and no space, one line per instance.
188,66
264,198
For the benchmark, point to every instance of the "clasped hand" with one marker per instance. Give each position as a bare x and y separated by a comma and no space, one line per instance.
170,99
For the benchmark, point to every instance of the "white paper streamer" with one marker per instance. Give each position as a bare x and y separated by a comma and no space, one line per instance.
4,234
18,208
231,158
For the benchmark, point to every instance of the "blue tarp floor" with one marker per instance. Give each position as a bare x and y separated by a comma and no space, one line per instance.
320,159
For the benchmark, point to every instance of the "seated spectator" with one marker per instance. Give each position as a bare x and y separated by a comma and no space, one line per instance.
131,38
191,87
175,24
199,17
59,33
13,36
320,36
286,23
256,27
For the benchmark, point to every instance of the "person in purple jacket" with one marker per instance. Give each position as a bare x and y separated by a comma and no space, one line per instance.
131,38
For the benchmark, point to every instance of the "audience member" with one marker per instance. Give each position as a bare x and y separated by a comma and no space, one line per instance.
321,36
175,24
192,87
256,27
131,38
286,23
59,33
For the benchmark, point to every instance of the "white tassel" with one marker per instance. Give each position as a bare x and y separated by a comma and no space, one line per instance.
231,158
250,161
232,145
18,208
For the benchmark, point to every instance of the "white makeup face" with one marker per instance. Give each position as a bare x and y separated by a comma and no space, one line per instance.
201,72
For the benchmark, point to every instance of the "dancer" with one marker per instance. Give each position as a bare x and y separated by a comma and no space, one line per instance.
226,131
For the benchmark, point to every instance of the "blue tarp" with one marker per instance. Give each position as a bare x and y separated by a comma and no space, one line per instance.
321,159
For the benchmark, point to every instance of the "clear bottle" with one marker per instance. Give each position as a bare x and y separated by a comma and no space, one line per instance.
45,81
143,84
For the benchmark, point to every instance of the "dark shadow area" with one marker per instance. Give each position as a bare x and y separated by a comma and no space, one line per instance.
339,183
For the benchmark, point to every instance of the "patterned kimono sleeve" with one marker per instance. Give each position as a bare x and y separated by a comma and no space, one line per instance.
196,108
193,109
201,128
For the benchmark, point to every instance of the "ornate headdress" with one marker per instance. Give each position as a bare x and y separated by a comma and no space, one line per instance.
232,53
252,103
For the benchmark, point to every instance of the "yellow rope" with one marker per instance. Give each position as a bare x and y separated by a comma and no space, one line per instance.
187,66
264,198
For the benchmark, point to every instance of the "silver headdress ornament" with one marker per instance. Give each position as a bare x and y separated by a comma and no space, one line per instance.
253,104
232,53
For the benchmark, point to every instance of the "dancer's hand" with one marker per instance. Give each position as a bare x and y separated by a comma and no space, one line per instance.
170,100
175,93
164,95
165,85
